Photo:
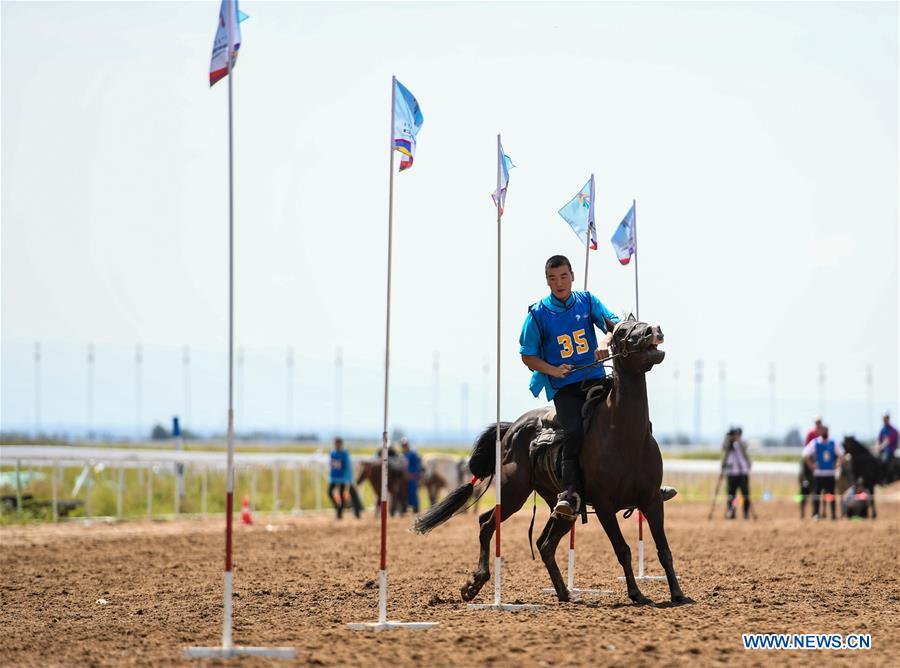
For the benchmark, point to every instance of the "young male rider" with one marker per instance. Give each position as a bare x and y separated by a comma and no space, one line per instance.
559,345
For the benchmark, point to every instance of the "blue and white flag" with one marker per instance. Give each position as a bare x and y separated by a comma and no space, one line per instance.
227,40
499,195
579,214
407,122
624,239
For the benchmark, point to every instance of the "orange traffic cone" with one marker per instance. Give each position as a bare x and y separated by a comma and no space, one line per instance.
245,512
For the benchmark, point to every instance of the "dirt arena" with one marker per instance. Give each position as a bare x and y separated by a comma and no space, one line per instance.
299,580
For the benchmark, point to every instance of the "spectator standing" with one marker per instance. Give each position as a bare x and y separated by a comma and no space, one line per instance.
887,440
736,465
340,477
824,457
414,474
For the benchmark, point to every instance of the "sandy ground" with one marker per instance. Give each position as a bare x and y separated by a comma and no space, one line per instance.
298,581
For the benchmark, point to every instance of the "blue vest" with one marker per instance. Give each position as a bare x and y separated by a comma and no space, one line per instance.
825,455
341,467
568,338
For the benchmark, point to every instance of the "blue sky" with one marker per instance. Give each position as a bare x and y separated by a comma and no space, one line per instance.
759,139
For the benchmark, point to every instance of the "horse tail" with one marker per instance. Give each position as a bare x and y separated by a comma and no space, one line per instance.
483,458
481,463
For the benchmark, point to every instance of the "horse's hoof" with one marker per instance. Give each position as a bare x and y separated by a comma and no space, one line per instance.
640,599
467,592
564,597
681,599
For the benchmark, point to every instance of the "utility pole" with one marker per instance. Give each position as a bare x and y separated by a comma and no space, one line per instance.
90,391
486,374
723,413
465,410
138,360
869,399
436,399
822,389
698,379
339,389
289,412
186,366
772,430
37,389
677,422
240,414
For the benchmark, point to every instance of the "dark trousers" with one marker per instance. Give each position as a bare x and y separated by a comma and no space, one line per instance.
568,402
823,484
338,502
735,483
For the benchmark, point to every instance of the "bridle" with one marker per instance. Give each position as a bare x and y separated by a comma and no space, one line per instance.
623,353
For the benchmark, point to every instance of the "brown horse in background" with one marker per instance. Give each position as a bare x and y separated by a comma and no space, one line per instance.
396,483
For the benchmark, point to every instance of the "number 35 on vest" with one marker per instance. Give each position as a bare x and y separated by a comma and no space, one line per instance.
565,341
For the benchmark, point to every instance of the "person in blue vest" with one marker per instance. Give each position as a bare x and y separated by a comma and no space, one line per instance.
887,440
824,457
414,473
559,344
340,477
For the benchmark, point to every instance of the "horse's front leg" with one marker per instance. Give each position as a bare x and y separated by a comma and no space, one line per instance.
547,544
483,573
607,517
654,514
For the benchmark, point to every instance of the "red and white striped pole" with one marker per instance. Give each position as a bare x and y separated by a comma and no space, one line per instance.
498,459
228,649
383,623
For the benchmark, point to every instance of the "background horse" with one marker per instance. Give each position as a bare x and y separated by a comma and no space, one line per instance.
620,459
396,483
867,466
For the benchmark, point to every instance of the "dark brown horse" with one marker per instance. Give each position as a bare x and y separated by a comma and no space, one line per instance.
620,458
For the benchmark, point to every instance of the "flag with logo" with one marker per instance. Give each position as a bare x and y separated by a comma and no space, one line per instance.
407,122
623,239
227,41
499,195
579,214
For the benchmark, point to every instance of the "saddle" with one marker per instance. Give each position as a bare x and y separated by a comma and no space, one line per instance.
545,453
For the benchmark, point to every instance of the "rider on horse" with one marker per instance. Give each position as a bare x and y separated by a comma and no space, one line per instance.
559,345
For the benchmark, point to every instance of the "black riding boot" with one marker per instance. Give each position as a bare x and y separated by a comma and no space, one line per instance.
569,500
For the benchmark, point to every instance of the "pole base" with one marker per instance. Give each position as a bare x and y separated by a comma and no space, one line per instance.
649,577
231,652
510,607
578,591
389,626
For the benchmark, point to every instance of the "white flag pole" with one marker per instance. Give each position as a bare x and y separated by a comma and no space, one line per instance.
587,244
570,569
637,303
383,623
228,649
498,461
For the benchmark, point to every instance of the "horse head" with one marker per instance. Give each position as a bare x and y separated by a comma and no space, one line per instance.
635,344
856,449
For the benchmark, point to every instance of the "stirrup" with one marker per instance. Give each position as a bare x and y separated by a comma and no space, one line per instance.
564,509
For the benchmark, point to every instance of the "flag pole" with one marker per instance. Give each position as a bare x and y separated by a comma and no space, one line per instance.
383,622
228,649
498,461
637,303
382,573
498,516
229,470
587,246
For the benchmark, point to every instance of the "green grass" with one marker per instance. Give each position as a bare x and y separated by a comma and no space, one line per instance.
101,494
